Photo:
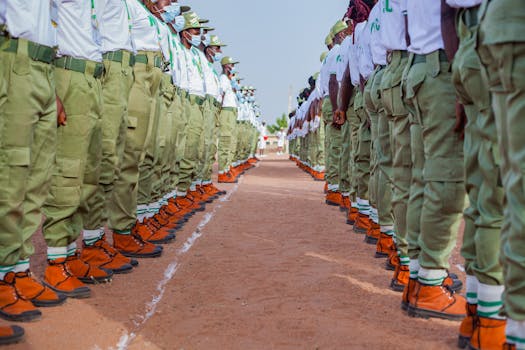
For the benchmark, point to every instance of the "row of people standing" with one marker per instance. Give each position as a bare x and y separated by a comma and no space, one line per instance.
112,113
419,102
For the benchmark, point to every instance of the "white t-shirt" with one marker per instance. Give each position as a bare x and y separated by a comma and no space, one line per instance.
364,57
329,68
165,46
115,25
229,99
78,35
178,61
353,62
375,26
144,27
211,79
463,3
424,26
344,53
30,20
195,73
393,25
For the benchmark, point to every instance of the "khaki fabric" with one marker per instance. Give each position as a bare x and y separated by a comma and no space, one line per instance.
144,90
227,128
78,154
430,90
116,85
27,149
333,143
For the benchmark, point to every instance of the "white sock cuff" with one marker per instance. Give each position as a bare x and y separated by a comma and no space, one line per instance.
56,252
181,194
346,194
433,277
21,266
142,208
71,248
90,235
354,205
387,229
516,333
414,267
490,300
472,289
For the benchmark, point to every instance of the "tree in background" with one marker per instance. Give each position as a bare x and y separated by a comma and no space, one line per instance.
281,122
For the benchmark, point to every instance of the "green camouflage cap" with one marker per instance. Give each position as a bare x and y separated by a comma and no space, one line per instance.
323,56
338,27
228,60
251,88
214,41
329,40
316,76
202,20
184,9
192,21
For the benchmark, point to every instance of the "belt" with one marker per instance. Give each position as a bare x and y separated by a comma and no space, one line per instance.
142,58
196,99
184,93
423,58
118,56
390,54
80,66
217,104
231,109
36,52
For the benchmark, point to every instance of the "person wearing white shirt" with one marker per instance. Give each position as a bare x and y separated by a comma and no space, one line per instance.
189,165
429,89
212,106
227,122
78,73
393,39
484,216
346,111
27,150
130,236
118,58
333,139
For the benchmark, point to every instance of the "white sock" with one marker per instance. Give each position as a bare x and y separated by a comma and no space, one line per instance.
5,269
431,277
54,253
364,206
490,301
72,249
21,266
516,333
142,211
181,193
91,236
387,230
414,268
472,289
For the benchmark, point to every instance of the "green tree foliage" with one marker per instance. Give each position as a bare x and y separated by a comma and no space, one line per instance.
281,122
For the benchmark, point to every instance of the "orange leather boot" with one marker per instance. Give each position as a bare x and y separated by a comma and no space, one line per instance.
373,233
14,307
149,230
385,245
11,334
59,278
393,261
353,213
28,288
133,246
489,334
334,198
345,204
102,254
466,328
409,294
400,279
362,224
318,175
437,302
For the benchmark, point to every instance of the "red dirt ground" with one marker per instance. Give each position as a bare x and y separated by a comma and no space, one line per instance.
270,267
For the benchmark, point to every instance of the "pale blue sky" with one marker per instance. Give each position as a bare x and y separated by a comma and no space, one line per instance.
278,42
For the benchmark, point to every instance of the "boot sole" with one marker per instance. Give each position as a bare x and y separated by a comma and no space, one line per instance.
404,306
50,303
396,287
83,293
370,240
334,204
15,338
380,255
426,314
360,230
141,256
463,342
122,270
389,267
163,241
93,280
350,222
28,316
319,180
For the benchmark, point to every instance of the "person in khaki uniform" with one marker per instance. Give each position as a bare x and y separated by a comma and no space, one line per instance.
501,47
483,328
117,52
78,72
227,121
430,92
144,90
28,110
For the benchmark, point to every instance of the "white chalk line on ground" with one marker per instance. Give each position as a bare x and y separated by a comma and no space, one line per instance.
127,338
